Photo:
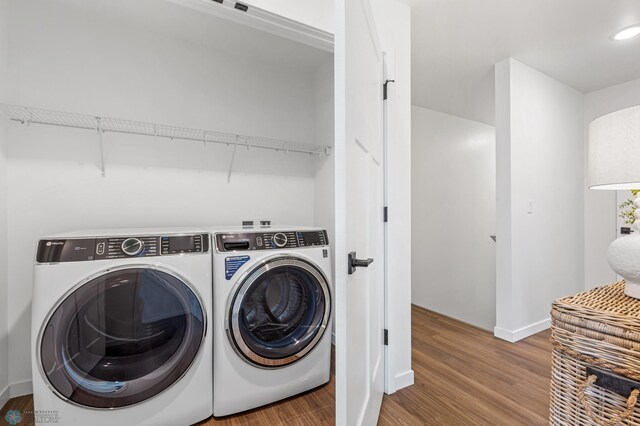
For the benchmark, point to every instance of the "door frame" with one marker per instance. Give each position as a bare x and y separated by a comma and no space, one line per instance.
386,61
396,44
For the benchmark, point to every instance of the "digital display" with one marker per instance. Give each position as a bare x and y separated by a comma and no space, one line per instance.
313,238
177,244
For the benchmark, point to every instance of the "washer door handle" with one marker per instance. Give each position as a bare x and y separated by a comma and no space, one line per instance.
354,263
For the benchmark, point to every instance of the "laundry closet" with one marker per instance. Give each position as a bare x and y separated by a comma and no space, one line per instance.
199,120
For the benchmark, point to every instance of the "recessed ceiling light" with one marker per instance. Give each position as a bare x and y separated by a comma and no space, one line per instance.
627,33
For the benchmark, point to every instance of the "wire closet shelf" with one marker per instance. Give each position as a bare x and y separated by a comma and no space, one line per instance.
29,115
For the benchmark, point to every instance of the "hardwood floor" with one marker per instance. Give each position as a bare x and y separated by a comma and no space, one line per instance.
316,407
463,376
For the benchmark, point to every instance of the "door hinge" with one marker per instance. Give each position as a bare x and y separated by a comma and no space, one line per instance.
384,89
386,337
386,214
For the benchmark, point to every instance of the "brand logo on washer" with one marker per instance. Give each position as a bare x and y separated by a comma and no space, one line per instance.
55,243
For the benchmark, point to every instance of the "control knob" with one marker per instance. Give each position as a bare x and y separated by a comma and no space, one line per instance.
132,246
280,239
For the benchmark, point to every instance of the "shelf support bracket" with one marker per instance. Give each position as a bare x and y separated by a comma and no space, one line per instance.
233,157
100,145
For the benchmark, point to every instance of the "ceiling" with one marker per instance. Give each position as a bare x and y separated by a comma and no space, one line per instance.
456,43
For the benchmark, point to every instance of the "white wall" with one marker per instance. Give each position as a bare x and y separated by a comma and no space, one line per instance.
540,161
4,337
323,190
70,59
324,205
454,213
600,210
393,21
324,212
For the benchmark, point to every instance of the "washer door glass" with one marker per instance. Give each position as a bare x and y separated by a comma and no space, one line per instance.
280,312
122,338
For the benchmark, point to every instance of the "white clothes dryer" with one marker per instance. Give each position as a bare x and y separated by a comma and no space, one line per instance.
272,315
121,327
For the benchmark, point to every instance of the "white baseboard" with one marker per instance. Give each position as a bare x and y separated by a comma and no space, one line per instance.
521,333
404,379
21,389
4,397
399,381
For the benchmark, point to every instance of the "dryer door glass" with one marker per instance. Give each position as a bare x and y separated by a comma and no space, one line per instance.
280,312
122,338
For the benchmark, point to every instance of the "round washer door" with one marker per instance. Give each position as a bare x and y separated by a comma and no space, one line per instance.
279,312
122,338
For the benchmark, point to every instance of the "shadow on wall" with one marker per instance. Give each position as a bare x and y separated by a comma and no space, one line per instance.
82,146
20,346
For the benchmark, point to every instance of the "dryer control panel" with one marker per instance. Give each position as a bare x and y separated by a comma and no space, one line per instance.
101,248
271,240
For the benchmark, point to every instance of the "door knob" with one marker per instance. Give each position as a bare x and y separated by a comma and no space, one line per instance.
357,263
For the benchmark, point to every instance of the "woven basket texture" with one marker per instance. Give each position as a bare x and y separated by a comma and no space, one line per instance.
599,328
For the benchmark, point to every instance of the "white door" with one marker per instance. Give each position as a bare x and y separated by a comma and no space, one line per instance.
359,219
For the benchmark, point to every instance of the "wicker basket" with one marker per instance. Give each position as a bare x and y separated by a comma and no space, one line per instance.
596,358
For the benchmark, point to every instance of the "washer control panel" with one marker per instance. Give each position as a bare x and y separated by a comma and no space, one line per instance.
85,249
259,240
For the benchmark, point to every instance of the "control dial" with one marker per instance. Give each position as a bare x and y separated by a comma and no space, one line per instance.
280,239
132,246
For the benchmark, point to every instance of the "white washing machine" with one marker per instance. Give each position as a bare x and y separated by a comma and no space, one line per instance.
121,328
272,315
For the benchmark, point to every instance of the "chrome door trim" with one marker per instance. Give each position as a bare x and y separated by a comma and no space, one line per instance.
232,322
92,277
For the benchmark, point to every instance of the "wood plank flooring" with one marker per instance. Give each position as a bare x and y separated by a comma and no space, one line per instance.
463,376
316,407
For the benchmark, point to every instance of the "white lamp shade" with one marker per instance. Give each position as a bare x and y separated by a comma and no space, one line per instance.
614,150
